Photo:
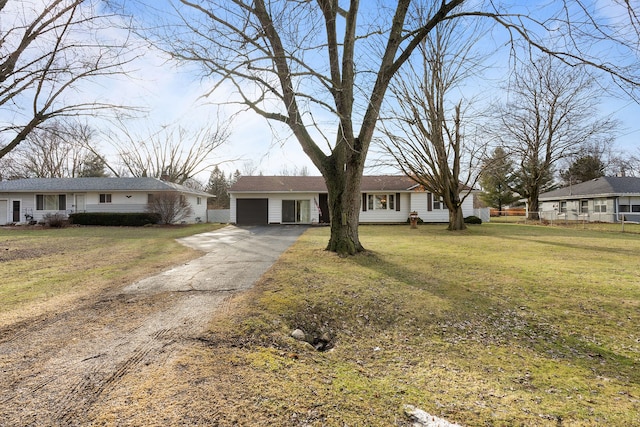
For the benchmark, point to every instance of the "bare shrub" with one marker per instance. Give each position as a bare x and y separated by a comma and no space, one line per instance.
55,220
171,207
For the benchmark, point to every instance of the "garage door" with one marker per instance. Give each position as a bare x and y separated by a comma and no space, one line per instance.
252,211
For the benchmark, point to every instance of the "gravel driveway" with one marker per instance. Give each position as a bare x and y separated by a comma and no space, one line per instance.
55,368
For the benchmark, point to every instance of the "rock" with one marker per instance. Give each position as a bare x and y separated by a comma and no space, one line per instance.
323,343
422,418
299,335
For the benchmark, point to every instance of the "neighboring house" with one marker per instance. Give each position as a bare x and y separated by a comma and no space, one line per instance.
304,200
24,200
605,199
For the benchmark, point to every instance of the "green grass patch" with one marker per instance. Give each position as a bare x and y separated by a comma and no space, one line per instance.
40,267
503,324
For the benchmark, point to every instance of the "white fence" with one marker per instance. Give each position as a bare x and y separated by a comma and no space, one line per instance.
483,213
219,215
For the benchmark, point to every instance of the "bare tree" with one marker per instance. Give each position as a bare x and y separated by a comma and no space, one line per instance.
170,206
626,164
423,130
296,171
55,150
549,117
47,49
249,168
312,66
173,153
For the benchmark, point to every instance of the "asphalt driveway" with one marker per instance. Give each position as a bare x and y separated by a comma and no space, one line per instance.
60,369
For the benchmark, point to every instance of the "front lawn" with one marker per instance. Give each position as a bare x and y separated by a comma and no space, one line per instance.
45,268
500,325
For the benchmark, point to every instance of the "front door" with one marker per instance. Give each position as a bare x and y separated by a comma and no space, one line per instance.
16,211
324,208
80,203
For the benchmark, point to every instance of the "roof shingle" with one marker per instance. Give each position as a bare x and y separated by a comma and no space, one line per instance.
93,184
277,184
606,185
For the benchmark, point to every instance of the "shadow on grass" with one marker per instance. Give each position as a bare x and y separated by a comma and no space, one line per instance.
476,316
567,245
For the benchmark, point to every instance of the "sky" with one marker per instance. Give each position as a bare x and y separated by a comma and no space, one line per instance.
173,95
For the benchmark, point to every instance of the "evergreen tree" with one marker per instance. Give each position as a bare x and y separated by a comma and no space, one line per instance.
584,168
218,185
496,180
93,166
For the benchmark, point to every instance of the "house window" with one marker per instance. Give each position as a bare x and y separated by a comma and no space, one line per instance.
600,205
635,208
381,201
584,206
105,198
198,200
563,207
51,202
296,211
437,202
624,208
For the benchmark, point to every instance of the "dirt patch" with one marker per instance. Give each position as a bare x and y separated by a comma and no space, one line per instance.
56,367
16,250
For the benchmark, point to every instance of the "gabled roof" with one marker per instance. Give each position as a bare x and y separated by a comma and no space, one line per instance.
93,184
316,184
606,186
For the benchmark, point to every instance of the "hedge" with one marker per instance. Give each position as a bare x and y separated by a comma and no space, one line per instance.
472,220
128,219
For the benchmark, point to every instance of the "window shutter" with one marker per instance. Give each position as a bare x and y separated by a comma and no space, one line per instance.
398,202
429,202
364,202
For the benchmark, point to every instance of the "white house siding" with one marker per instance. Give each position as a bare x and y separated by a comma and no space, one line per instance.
137,202
414,201
409,201
232,208
467,208
275,206
633,203
387,215
27,206
199,210
550,210
420,204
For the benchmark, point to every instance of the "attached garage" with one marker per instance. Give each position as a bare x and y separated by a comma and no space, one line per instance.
386,199
252,211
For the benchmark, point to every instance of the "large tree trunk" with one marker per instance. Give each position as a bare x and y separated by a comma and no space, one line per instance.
344,207
344,223
456,219
532,201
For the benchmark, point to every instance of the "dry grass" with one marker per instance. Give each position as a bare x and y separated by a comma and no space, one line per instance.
500,325
42,268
